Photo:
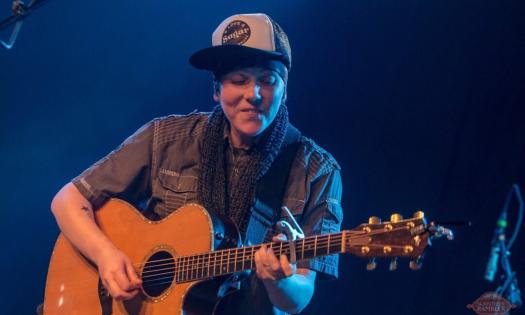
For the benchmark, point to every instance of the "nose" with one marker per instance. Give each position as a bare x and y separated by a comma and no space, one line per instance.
253,93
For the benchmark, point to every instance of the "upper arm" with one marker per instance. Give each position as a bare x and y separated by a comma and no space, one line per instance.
323,214
124,173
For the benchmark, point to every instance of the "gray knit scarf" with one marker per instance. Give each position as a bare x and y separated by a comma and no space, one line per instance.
212,187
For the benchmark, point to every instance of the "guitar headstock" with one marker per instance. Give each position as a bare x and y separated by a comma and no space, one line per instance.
398,237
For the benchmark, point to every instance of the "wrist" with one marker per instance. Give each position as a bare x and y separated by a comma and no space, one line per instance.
103,252
281,282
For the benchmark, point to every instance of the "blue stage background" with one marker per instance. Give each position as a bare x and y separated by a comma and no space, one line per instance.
421,102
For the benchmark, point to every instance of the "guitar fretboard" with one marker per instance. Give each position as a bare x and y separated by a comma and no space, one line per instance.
227,261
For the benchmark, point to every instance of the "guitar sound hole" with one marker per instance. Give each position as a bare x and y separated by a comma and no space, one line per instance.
158,273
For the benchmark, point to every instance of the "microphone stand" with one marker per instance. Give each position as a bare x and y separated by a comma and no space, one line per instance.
509,289
20,13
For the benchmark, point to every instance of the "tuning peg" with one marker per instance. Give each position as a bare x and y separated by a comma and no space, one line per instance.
393,264
374,220
416,264
418,214
396,217
371,264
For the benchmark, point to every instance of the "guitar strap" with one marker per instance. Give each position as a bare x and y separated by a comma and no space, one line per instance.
252,297
270,190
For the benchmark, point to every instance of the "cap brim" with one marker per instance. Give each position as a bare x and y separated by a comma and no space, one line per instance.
220,57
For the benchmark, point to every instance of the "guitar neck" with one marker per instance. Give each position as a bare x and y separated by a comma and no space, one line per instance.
227,261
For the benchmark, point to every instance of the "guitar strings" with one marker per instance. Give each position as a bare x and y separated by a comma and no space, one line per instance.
310,240
198,270
226,254
194,268
189,270
230,258
171,276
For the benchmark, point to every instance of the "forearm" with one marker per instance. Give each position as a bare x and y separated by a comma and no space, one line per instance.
292,294
74,215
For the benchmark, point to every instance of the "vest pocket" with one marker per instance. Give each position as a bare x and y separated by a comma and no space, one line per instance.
177,189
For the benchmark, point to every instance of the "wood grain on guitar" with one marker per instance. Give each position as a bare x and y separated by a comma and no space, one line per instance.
182,258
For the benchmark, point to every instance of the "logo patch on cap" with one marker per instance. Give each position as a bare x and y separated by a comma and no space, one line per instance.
236,33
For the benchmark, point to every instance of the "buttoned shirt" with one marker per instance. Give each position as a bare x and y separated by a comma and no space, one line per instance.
157,170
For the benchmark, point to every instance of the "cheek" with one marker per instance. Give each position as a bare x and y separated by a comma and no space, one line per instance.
229,100
274,98
229,97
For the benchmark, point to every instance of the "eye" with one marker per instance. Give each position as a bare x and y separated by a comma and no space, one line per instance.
238,79
268,79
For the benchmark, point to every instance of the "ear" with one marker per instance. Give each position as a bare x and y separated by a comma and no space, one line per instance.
216,91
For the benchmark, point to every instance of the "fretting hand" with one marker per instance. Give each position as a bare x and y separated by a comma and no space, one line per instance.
269,267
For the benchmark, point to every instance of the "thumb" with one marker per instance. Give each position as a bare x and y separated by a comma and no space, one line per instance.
132,274
279,238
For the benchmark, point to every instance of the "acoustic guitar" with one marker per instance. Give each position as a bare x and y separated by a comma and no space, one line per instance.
180,258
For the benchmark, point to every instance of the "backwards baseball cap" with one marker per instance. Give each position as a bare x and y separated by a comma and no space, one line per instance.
244,40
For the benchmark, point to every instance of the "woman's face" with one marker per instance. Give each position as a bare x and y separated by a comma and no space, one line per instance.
250,98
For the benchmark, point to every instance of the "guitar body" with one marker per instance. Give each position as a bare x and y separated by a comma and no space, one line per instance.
184,260
73,286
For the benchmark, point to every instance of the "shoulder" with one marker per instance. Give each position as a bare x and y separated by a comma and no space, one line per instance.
173,127
316,160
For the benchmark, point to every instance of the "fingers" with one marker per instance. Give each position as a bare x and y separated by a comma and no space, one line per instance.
132,275
279,238
268,267
120,278
287,268
115,290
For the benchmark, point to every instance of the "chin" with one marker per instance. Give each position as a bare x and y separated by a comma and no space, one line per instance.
252,129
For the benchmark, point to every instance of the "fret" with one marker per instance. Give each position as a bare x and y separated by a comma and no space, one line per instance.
217,266
343,241
180,268
194,267
222,268
251,258
190,267
200,273
185,270
198,267
203,266
228,261
328,245
219,261
214,263
315,246
280,250
319,245
177,269
243,257
335,246
302,251
235,260
208,265
183,265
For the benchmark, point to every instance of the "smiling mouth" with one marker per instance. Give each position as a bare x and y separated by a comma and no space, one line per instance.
251,110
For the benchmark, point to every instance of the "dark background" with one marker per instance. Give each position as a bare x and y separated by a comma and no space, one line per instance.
420,101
